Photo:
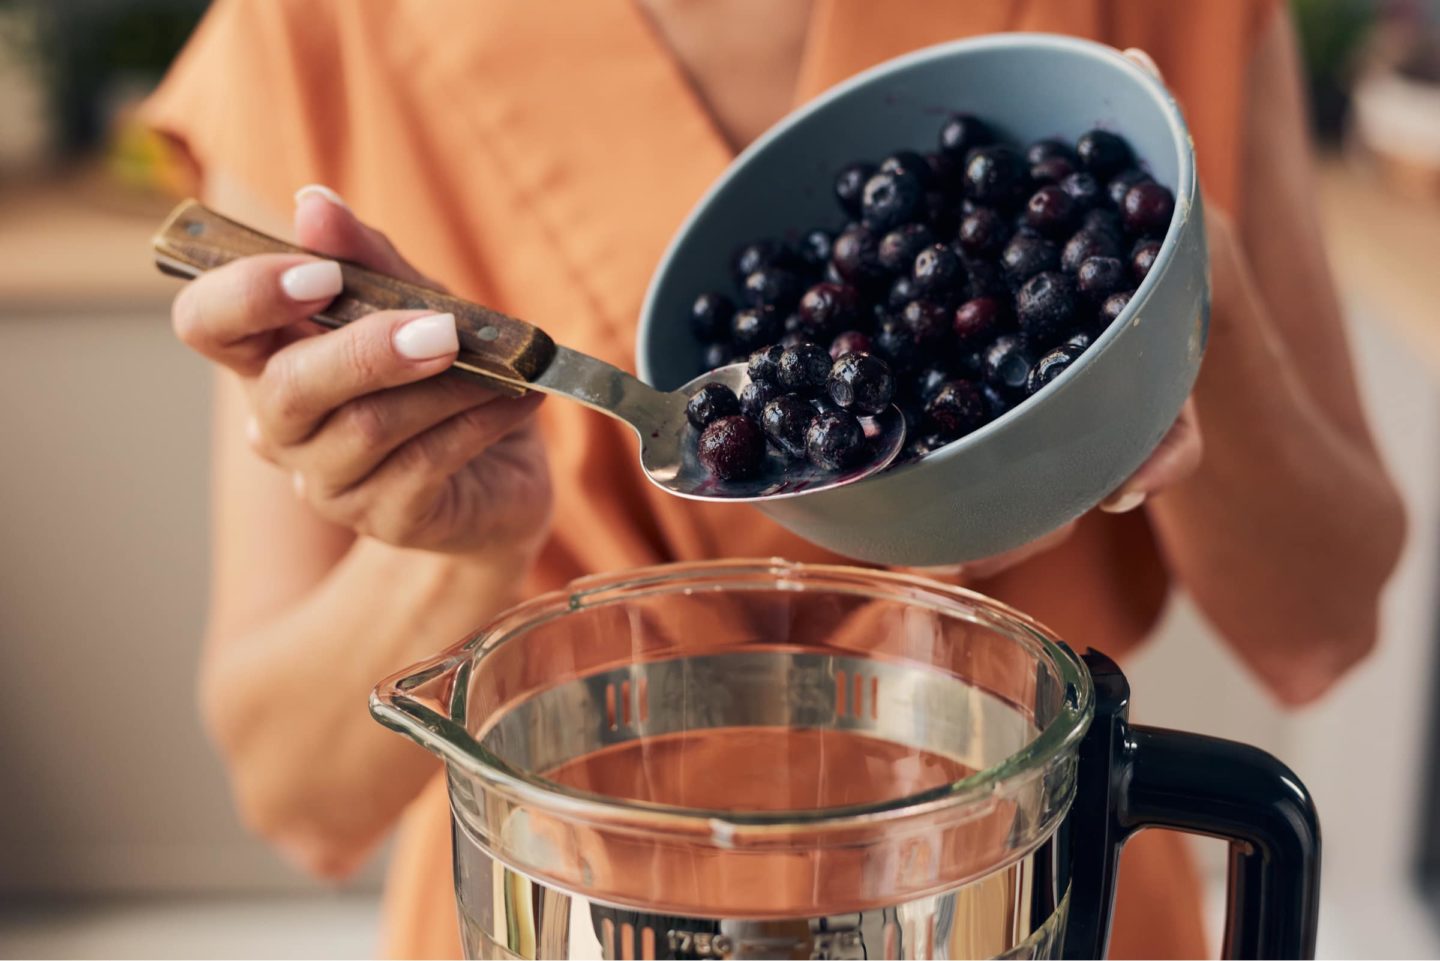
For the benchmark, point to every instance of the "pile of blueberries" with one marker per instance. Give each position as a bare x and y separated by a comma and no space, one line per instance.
963,281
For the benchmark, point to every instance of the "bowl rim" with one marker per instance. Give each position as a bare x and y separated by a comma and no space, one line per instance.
1187,206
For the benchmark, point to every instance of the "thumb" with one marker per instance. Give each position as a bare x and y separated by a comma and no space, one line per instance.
325,224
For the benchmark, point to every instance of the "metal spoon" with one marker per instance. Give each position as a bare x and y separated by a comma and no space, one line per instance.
513,356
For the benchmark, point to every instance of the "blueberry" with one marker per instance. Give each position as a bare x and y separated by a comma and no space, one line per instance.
815,248
1104,221
793,339
755,395
978,321
710,403
891,198
937,272
1007,366
902,291
1050,366
1113,306
793,322
857,257
927,383
995,176
1103,153
1142,258
1052,170
1099,277
803,369
1048,149
861,383
1147,209
850,185
927,322
970,364
899,247
761,253
983,233
986,279
826,309
710,317
1024,257
920,445
732,448
756,327
1051,211
996,403
956,409
963,133
1121,183
785,421
1079,340
1045,307
764,365
716,355
909,161
850,342
1085,244
895,342
830,274
835,441
772,287
1083,188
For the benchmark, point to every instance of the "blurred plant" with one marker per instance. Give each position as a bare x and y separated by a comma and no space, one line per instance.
1331,35
84,47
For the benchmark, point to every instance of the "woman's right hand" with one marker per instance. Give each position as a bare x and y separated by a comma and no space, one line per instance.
375,440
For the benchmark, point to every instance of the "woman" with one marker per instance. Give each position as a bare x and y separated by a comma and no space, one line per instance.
540,164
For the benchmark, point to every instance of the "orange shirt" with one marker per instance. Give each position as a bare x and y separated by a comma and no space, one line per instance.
538,160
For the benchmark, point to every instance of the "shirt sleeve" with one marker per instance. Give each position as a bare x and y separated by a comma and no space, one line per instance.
255,93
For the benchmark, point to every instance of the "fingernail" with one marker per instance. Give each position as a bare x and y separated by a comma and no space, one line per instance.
426,338
1123,503
319,280
252,432
1144,60
297,481
320,190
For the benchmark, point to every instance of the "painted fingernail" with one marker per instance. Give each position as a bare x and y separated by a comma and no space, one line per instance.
1123,503
426,338
320,190
319,280
252,432
1144,60
297,481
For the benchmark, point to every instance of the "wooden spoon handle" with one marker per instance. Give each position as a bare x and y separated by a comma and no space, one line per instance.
505,352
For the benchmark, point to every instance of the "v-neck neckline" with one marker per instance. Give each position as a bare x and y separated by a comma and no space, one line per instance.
696,96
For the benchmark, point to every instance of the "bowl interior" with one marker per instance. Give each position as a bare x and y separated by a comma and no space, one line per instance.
1027,86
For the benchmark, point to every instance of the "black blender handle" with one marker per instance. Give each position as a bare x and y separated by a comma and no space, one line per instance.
1138,777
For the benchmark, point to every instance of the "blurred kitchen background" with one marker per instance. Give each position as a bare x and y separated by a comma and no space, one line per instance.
117,837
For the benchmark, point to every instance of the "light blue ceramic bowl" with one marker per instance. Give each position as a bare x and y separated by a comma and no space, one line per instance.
1062,451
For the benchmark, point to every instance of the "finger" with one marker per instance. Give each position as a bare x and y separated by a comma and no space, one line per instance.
1144,61
358,437
307,380
324,222
406,490
234,314
1176,458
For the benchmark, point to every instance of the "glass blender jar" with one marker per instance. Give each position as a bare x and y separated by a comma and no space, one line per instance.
760,759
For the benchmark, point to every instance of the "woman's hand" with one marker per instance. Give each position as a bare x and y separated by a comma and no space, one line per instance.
375,440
